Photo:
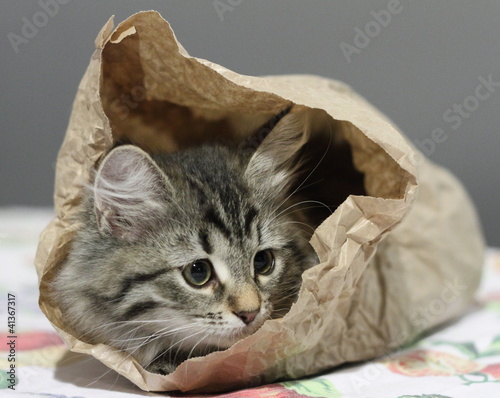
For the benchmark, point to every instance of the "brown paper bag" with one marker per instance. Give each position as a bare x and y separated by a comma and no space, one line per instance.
395,260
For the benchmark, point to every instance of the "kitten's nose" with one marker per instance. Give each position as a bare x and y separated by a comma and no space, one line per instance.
247,316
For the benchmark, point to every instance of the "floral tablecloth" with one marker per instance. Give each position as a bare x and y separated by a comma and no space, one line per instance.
461,359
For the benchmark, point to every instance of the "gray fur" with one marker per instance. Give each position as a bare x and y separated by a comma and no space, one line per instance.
122,283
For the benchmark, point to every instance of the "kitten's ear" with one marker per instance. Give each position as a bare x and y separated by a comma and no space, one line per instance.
274,162
128,190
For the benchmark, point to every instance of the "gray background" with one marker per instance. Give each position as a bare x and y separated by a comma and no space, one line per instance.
429,57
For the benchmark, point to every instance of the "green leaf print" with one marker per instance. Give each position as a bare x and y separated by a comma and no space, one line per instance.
493,348
468,348
5,380
493,306
318,388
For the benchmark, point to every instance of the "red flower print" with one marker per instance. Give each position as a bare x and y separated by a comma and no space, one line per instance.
431,363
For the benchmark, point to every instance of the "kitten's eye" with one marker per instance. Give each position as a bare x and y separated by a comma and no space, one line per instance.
198,273
263,262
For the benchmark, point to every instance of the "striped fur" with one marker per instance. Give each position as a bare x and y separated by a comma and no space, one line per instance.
148,217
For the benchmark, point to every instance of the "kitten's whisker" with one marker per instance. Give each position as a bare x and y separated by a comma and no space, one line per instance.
142,345
192,350
309,175
307,208
172,346
121,324
285,298
156,333
310,185
155,336
140,341
299,223
300,203
181,341
186,338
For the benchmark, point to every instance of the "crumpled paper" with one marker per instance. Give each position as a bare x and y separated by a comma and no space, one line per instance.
399,256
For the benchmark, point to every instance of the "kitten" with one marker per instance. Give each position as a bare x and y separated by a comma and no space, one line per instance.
185,253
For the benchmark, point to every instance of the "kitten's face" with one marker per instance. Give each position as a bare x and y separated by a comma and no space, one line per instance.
186,253
226,275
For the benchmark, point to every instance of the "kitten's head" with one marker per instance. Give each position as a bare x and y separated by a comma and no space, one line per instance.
186,253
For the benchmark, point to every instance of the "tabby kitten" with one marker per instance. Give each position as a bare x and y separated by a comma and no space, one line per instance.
185,253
